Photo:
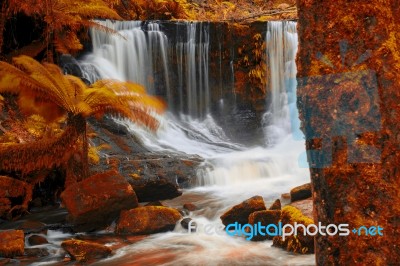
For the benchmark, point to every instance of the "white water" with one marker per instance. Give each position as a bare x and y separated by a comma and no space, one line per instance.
237,172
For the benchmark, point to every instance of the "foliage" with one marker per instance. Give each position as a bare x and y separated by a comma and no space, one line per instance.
162,9
43,90
64,19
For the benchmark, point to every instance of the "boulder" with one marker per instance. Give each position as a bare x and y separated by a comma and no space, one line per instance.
265,218
276,205
35,240
154,190
84,251
96,201
300,243
301,192
240,213
147,220
33,226
305,206
12,243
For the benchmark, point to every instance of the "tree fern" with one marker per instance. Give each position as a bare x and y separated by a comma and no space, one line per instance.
41,87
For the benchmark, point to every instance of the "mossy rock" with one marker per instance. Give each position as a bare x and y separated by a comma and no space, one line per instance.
295,243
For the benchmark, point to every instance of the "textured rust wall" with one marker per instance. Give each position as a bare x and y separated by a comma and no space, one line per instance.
349,103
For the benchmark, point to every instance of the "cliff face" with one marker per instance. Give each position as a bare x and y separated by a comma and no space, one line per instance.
348,99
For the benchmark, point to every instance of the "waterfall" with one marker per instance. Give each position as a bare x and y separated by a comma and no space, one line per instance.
192,51
136,52
141,52
282,42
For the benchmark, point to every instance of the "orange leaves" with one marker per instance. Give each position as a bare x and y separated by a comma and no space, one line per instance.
64,18
162,9
43,90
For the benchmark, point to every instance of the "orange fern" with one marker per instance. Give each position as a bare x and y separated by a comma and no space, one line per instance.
42,89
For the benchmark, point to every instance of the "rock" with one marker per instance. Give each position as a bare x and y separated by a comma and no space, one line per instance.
12,243
96,201
155,190
84,251
190,207
147,220
300,243
285,196
185,224
154,203
33,227
35,240
13,190
36,252
276,205
240,213
305,206
300,192
265,218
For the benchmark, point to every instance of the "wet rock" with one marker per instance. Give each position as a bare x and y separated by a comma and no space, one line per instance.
155,190
240,213
305,206
300,192
285,196
276,205
36,252
300,243
96,201
12,243
84,251
33,227
35,240
265,218
190,207
154,203
147,220
185,224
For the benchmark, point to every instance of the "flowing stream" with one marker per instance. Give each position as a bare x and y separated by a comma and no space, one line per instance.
141,53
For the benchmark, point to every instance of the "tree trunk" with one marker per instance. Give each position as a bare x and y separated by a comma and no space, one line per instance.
348,99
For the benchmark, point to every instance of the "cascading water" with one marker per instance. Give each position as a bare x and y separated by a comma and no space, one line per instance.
193,64
237,172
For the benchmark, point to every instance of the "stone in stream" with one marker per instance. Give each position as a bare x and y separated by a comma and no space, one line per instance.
36,252
12,243
298,244
300,192
35,240
276,205
96,201
185,224
33,226
265,218
84,251
147,220
240,213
